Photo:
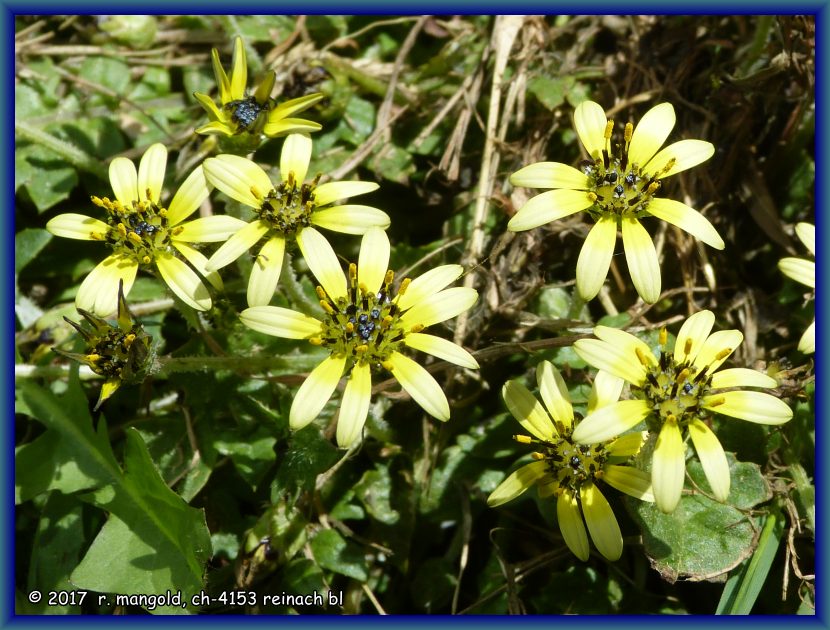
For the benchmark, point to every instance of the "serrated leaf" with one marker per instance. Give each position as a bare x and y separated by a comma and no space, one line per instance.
152,542
335,553
47,178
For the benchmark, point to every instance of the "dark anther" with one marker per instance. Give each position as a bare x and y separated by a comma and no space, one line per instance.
631,179
375,313
575,462
611,177
363,318
687,388
245,112
619,191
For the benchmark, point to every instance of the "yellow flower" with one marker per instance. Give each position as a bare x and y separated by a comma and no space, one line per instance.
257,114
618,187
803,271
563,468
120,354
676,393
366,325
142,232
285,210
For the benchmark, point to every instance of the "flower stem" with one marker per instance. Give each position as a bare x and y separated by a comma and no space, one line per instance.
288,364
70,153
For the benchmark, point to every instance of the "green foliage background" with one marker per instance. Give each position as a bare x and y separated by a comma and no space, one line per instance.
192,480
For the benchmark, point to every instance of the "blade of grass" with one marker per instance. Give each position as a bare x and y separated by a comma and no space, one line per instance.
743,587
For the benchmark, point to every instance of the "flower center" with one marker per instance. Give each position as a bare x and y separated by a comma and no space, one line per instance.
138,231
112,353
244,112
618,186
675,388
571,464
363,326
288,207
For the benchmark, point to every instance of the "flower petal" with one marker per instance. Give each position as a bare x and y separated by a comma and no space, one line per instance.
605,391
199,261
218,227
239,71
528,411
428,284
183,281
632,481
245,238
628,343
712,458
98,292
124,180
549,206
442,306
193,191
806,232
550,175
717,348
284,126
687,219
686,154
350,219
77,226
668,468
217,128
742,377
373,261
222,81
628,445
590,122
571,525
330,192
265,87
295,105
602,524
807,343
323,262
209,106
611,421
151,172
280,322
355,405
642,260
692,336
441,348
238,178
554,393
650,133
517,483
265,272
595,257
315,392
620,362
800,270
295,157
420,384
755,407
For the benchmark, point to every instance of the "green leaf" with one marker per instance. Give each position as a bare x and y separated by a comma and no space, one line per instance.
333,552
57,548
70,456
45,176
703,539
550,91
434,583
108,72
152,542
374,491
27,245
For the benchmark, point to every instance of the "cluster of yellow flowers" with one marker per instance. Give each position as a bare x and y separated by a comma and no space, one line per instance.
368,319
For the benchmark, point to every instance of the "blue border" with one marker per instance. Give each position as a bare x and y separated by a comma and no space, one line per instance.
402,7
